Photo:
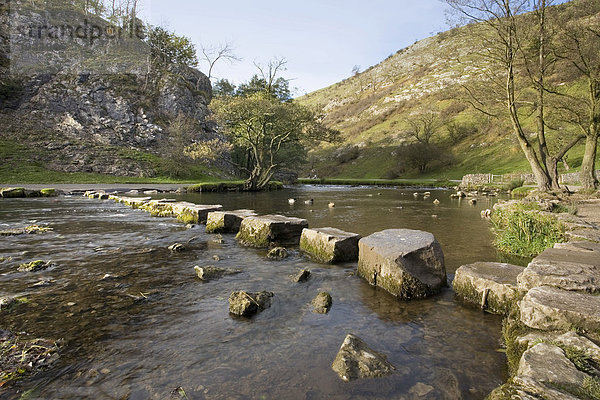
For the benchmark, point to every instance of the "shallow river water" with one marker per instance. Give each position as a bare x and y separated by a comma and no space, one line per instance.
153,326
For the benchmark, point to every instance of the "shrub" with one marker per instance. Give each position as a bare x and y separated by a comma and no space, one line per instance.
523,231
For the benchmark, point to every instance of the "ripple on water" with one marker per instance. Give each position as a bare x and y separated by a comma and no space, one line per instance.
138,323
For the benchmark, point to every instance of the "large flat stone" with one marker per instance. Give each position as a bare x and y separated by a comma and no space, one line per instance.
579,245
548,308
544,368
592,235
407,263
330,245
356,360
226,221
491,285
563,268
193,213
266,230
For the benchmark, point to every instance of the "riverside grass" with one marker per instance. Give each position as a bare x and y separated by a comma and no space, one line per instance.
523,230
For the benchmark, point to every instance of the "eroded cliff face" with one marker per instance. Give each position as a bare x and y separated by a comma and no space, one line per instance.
85,119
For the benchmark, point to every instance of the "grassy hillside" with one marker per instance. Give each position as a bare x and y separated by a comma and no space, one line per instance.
372,109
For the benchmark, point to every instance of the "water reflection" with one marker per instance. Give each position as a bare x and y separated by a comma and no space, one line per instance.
137,323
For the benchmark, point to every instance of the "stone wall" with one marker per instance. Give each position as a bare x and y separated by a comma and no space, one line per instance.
476,179
572,178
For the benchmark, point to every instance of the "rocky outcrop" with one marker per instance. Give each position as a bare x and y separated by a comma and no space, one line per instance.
246,304
226,221
492,286
91,106
330,245
548,308
356,360
407,263
269,230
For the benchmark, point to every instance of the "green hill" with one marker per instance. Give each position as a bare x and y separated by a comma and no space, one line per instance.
374,110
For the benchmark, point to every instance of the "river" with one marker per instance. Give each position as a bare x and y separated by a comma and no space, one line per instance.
152,326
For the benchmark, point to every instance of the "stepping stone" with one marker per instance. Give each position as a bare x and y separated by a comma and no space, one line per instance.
226,221
330,245
268,230
407,263
490,285
548,308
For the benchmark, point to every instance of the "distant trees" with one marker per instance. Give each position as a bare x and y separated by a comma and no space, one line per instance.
421,151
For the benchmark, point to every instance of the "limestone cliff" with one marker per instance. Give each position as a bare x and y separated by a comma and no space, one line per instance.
93,114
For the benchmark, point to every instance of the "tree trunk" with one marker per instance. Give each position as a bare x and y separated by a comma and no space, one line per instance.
588,177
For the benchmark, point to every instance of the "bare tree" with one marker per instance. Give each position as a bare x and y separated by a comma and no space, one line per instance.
515,44
270,71
212,55
424,126
580,43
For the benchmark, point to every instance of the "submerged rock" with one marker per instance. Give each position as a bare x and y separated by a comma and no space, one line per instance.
278,253
301,276
330,245
210,273
548,308
492,286
10,192
407,263
356,360
34,266
271,229
177,247
322,303
247,304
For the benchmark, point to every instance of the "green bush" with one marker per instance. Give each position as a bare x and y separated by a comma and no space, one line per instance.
524,231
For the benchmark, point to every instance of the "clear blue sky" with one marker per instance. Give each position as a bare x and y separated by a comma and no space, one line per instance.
321,39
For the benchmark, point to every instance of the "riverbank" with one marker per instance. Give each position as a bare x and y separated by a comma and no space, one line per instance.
551,309
422,183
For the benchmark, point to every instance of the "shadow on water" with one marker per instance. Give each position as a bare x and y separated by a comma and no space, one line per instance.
137,323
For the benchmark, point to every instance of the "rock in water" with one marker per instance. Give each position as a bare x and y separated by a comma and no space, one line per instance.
277,253
407,263
210,273
322,303
356,360
330,245
177,247
226,221
247,304
492,286
301,276
269,229
34,266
